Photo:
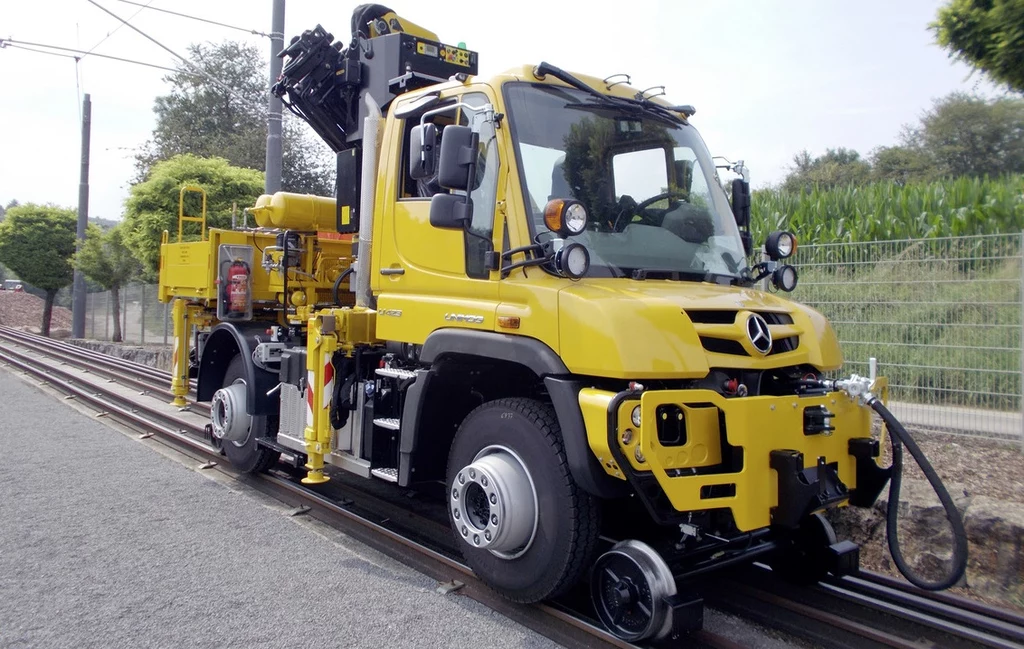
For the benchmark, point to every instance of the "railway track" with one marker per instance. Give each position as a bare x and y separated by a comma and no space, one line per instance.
865,611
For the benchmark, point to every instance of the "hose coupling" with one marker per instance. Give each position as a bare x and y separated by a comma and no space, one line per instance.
856,387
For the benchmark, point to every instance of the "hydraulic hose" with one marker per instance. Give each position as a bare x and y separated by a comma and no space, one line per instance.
337,285
899,437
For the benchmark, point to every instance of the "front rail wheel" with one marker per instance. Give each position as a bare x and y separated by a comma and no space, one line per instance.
523,524
238,431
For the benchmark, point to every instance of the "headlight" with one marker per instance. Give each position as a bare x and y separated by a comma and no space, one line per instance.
780,245
565,217
635,416
572,260
784,278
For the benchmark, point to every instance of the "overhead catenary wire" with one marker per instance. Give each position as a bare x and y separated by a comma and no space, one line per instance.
74,53
114,30
192,66
254,32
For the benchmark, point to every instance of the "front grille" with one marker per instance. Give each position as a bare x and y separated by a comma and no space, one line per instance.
722,346
783,345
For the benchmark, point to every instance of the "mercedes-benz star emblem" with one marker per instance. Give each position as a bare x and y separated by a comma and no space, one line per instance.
757,331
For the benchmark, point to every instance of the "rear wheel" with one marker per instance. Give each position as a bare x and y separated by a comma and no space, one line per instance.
523,524
803,557
237,430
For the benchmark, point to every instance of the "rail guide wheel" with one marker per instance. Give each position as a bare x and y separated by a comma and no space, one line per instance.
634,592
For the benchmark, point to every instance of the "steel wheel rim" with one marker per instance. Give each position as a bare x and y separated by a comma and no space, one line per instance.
493,503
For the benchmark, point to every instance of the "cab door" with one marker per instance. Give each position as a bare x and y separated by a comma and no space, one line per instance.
430,278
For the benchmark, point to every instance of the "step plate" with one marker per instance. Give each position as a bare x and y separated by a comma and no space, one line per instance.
390,423
391,475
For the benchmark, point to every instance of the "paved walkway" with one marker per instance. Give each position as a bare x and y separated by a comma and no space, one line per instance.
106,543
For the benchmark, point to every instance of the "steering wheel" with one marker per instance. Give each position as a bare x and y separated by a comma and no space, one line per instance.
640,210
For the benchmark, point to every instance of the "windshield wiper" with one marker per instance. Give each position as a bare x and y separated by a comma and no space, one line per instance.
641,274
619,102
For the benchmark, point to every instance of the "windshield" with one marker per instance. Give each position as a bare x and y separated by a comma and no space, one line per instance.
652,195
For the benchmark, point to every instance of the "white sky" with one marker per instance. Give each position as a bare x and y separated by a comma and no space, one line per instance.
768,78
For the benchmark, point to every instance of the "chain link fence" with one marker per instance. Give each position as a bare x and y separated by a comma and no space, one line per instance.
144,319
943,317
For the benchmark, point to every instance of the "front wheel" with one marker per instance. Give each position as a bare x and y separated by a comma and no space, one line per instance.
523,524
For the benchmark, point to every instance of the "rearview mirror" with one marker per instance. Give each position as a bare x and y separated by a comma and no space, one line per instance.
458,158
741,202
422,143
450,211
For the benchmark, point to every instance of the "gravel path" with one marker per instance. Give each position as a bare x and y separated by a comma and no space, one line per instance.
106,543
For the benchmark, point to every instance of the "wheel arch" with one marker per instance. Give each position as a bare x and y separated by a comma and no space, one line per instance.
225,341
511,362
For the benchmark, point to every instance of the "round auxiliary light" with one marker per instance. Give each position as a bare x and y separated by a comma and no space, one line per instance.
572,261
635,416
780,245
784,278
565,216
575,220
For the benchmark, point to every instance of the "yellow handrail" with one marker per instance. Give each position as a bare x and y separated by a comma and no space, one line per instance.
181,210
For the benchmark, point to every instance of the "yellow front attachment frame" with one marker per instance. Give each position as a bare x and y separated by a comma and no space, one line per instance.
758,425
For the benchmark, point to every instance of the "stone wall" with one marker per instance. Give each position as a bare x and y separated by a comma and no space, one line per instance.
995,535
157,356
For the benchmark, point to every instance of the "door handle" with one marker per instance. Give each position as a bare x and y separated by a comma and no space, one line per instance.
392,271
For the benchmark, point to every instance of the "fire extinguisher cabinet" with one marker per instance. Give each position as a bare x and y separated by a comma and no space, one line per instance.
234,281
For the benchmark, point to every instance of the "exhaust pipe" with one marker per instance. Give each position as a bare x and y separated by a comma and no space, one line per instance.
367,194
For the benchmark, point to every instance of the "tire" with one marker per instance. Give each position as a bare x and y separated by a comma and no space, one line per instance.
247,455
567,520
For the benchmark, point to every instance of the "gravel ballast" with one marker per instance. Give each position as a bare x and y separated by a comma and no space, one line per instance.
108,543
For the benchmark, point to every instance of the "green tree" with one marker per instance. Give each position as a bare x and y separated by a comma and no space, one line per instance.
964,135
837,167
228,118
36,243
106,260
901,164
152,206
987,35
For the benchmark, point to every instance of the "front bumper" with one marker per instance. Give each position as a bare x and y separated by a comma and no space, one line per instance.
755,456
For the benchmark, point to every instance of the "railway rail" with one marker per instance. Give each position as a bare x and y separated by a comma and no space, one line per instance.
868,610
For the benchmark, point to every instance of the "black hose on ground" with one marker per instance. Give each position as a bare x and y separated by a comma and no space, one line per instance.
899,437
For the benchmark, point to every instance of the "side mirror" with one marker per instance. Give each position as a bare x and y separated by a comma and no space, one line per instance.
450,211
741,202
458,158
422,141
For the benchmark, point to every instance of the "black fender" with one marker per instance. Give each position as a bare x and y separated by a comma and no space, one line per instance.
528,352
546,365
226,340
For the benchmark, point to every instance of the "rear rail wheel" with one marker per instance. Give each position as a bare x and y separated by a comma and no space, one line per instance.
804,554
238,431
522,523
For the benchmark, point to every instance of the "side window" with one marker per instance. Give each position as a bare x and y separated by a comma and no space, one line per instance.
485,189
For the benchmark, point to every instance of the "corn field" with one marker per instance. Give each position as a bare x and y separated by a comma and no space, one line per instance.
888,211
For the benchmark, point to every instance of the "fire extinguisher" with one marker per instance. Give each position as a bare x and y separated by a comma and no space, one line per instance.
238,290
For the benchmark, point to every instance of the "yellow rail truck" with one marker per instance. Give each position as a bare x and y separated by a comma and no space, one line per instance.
540,300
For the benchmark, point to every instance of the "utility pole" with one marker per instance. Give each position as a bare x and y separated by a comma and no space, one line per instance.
273,182
78,288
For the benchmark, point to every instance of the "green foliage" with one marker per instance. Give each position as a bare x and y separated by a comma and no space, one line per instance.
837,167
36,243
152,206
964,135
228,118
961,135
105,259
887,210
987,35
